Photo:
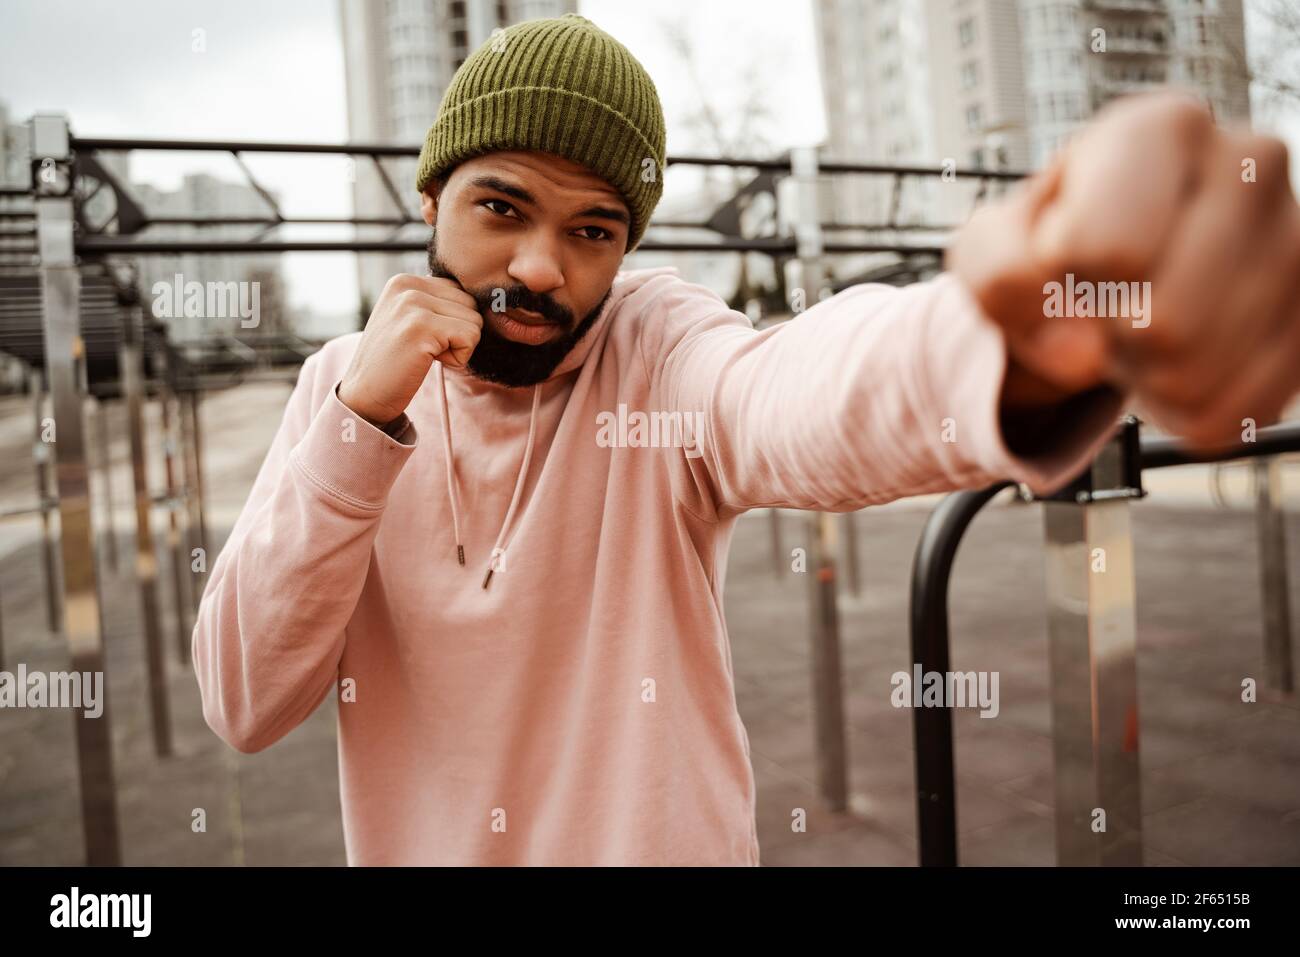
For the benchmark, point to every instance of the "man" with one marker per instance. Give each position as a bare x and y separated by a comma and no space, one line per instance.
496,522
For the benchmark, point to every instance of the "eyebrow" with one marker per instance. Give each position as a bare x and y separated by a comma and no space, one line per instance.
521,194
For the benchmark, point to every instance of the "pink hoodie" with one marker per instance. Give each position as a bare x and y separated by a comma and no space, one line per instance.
580,708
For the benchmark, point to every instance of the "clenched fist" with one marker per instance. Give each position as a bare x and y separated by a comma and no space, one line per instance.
416,321
1158,253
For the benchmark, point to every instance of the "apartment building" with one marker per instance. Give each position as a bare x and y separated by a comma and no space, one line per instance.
1001,84
400,56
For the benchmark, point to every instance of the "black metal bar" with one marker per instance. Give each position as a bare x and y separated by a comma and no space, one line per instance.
226,146
407,220
936,790
844,166
286,221
931,571
113,245
391,149
1160,452
388,185
895,200
261,191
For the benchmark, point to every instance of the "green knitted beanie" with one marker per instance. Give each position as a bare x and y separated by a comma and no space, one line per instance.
561,85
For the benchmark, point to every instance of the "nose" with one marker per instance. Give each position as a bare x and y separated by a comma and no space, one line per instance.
536,265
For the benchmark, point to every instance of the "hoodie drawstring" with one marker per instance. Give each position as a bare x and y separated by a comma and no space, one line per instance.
453,486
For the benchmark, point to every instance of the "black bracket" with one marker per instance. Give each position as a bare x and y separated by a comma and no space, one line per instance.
1116,472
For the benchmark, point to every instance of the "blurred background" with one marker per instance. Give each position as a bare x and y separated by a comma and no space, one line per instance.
944,102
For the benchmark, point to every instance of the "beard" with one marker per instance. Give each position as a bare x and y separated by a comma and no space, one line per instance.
502,360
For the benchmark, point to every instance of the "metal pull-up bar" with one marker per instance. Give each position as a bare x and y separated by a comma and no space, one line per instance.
1092,640
64,239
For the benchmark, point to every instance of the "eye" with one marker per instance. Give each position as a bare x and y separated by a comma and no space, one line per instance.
605,234
489,202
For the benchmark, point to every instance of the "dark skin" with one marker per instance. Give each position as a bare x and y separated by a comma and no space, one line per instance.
564,243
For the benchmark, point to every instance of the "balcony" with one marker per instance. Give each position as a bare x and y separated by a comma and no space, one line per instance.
1136,46
1126,6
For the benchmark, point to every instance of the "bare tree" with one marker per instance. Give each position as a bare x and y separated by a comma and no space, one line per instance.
733,128
1274,64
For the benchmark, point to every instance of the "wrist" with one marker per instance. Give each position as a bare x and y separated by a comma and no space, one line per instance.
351,407
395,428
1031,408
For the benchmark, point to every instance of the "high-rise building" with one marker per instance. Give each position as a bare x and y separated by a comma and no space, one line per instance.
400,56
1081,54
15,149
1002,83
202,195
978,83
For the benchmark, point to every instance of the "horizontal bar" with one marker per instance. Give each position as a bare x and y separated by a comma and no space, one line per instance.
1160,452
389,149
271,221
224,146
124,246
167,220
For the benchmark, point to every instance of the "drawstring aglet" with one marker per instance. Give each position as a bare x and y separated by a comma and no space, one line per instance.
460,553
487,578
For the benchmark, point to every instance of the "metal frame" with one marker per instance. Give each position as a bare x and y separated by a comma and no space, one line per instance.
57,215
99,241
64,239
60,286
1084,513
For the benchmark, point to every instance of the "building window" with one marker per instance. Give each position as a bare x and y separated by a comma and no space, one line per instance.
1198,24
969,75
966,31
974,118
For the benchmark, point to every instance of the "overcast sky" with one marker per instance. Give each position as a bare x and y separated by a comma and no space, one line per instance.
274,71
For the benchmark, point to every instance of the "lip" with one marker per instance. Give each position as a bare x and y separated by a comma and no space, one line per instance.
521,325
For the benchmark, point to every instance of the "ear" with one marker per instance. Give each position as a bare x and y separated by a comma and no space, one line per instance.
429,205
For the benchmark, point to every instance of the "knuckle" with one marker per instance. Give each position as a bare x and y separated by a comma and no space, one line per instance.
1185,117
1176,388
397,282
1168,338
1274,162
1273,155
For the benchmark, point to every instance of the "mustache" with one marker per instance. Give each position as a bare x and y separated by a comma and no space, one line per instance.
502,299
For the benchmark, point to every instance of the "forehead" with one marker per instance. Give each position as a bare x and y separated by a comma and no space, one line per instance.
542,174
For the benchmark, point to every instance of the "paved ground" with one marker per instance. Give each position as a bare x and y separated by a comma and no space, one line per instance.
1220,779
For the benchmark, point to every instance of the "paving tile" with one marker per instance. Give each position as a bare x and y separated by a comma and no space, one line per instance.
1213,832
853,847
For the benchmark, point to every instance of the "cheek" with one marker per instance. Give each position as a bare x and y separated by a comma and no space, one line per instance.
469,250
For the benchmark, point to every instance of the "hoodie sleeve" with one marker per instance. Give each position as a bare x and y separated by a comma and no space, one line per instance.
876,393
270,628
